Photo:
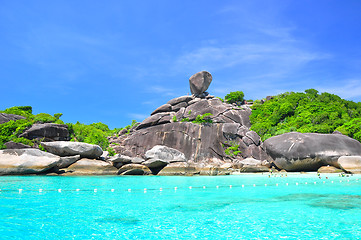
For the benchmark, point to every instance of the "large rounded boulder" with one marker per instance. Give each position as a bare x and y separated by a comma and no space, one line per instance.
63,149
309,151
26,161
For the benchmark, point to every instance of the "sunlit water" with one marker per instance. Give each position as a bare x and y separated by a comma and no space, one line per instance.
263,208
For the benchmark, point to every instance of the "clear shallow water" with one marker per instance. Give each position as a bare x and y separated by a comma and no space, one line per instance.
330,210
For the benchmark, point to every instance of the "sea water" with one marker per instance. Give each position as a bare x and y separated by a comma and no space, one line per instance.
250,206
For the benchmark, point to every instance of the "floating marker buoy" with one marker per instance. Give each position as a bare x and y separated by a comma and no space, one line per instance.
20,190
190,187
323,181
40,190
112,190
277,184
204,187
306,182
340,180
314,182
129,190
95,190
77,190
217,187
296,183
59,190
230,186
331,181
265,185
160,189
254,185
242,185
286,184
175,188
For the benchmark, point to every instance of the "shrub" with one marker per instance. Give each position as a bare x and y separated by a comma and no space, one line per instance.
235,97
205,118
232,150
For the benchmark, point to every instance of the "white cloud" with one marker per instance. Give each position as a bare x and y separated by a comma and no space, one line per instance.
347,89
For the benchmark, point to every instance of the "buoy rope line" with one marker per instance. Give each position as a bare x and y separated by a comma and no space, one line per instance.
20,190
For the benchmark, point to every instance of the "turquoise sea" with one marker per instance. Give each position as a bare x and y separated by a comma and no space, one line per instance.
249,206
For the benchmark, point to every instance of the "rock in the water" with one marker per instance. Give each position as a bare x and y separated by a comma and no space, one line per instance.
67,161
26,161
4,117
178,168
63,149
309,151
252,165
350,164
165,153
53,131
329,169
16,145
86,166
200,82
134,169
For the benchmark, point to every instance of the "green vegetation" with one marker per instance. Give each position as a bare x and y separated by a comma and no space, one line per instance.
232,150
306,112
205,118
174,118
235,97
95,133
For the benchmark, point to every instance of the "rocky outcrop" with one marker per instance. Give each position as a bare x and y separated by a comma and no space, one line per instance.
26,161
200,82
91,167
63,149
49,131
350,164
4,117
201,128
309,151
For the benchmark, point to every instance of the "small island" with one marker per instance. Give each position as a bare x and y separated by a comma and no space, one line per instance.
196,134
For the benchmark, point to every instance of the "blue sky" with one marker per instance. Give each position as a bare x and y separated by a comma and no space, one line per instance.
114,61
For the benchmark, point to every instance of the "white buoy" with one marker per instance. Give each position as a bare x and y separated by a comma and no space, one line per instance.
145,189
296,183
277,184
190,187
112,190
40,190
286,184
95,190
323,181
160,189
175,188
59,190
242,185
217,187
230,186
314,182
306,182
77,190
204,187
331,181
265,185
20,190
129,190
254,185
340,180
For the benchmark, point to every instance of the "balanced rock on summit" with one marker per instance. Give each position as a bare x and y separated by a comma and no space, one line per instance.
200,82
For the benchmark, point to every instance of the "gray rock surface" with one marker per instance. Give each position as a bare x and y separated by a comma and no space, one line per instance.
15,145
26,161
166,154
252,165
86,166
178,169
63,149
65,162
350,164
164,108
155,163
52,131
200,82
4,117
309,151
329,169
134,169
